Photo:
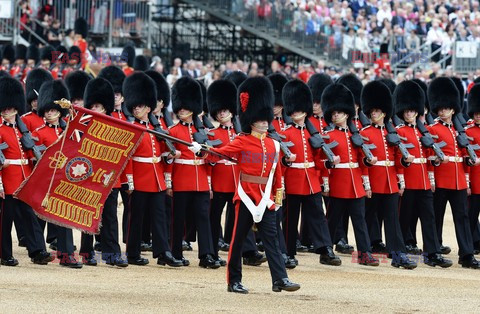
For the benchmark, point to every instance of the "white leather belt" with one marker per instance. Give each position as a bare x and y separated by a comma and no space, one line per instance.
419,160
386,163
347,165
302,165
226,162
454,159
18,162
147,160
192,162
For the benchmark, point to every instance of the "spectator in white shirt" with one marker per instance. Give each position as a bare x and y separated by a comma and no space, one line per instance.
435,37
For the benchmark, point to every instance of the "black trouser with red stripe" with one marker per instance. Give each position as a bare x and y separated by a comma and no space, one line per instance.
196,205
355,208
108,231
384,207
267,229
52,229
458,203
312,214
419,204
140,201
216,208
126,210
33,233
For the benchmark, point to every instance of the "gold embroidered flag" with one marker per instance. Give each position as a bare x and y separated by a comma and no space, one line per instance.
72,180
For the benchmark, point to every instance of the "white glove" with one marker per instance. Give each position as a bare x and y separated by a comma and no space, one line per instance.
195,148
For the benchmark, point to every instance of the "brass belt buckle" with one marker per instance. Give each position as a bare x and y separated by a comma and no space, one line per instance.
387,163
196,162
457,159
351,164
155,159
306,164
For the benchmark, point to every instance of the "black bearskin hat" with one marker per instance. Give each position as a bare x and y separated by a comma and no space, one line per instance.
115,76
256,99
278,82
317,83
140,63
139,89
376,95
46,53
163,90
81,27
442,93
461,90
187,94
409,96
76,82
128,55
297,97
21,52
237,77
74,53
424,87
337,97
8,53
474,100
99,91
50,92
33,53
390,84
35,79
352,82
12,94
222,95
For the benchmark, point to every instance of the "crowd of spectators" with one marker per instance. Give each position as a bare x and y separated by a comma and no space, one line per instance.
364,25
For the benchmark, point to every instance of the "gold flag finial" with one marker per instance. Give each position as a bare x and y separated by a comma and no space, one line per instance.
64,103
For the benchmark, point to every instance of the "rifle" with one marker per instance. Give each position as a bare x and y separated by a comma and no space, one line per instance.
206,122
127,113
177,140
397,121
236,125
168,118
27,140
287,119
357,140
462,139
364,121
429,119
317,142
427,140
2,156
394,140
201,135
272,133
156,126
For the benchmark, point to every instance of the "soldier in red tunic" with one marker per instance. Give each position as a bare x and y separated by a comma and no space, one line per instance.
386,187
99,97
347,191
115,76
127,59
76,82
47,135
317,83
20,58
191,190
303,185
81,34
417,198
15,169
35,79
146,176
473,131
449,180
260,189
